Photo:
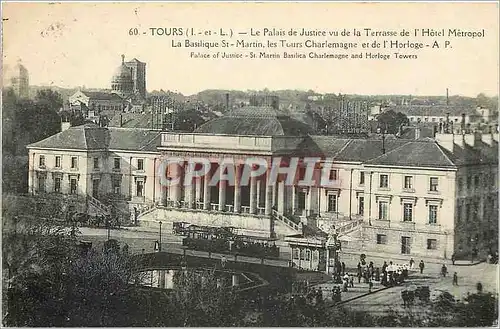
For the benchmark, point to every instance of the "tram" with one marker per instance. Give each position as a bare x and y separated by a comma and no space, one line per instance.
225,240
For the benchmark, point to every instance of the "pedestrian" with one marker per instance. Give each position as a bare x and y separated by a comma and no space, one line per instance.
351,281
370,286
444,270
377,274
421,265
453,258
359,276
412,262
455,279
384,267
343,268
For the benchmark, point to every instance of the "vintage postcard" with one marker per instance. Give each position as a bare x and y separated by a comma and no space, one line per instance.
250,164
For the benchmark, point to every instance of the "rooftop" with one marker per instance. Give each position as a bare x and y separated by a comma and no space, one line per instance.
433,110
92,137
256,120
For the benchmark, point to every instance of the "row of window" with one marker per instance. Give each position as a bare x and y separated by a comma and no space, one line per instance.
489,179
406,243
408,212
426,119
74,162
408,182
384,181
304,254
73,185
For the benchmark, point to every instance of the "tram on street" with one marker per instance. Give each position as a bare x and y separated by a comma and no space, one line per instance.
225,240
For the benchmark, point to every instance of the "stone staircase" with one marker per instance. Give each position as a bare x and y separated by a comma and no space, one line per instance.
296,227
96,207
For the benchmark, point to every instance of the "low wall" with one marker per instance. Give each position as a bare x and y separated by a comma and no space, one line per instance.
247,224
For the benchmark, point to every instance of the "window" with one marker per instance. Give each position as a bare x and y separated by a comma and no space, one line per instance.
140,164
405,245
459,212
333,174
139,188
74,162
433,211
58,162
96,163
72,186
407,212
408,182
361,205
116,186
382,210
460,184
476,181
381,239
362,178
116,163
433,184
42,161
384,181
296,252
41,184
57,184
332,202
308,254
431,244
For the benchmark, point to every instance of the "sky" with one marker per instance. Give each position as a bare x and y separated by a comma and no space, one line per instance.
80,44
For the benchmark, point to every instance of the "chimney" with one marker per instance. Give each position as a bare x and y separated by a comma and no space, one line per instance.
446,141
123,59
65,125
447,98
417,133
471,139
487,139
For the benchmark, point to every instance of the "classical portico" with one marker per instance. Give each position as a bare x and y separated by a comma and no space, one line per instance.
232,141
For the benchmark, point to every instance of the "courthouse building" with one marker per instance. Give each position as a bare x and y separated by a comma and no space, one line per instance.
418,198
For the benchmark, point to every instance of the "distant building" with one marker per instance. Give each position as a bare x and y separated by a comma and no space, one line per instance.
130,79
438,113
18,80
92,104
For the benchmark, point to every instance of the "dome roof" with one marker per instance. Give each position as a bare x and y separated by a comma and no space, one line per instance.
256,120
122,73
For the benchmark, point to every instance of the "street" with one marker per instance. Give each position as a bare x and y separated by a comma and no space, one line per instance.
468,276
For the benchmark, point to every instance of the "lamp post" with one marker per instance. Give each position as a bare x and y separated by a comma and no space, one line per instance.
107,226
159,247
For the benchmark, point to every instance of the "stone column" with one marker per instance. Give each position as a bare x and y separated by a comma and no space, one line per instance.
259,192
253,195
237,189
268,196
309,210
281,197
275,194
175,183
190,192
199,191
222,193
206,191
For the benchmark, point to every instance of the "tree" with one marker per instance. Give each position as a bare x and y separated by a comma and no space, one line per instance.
391,121
49,99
